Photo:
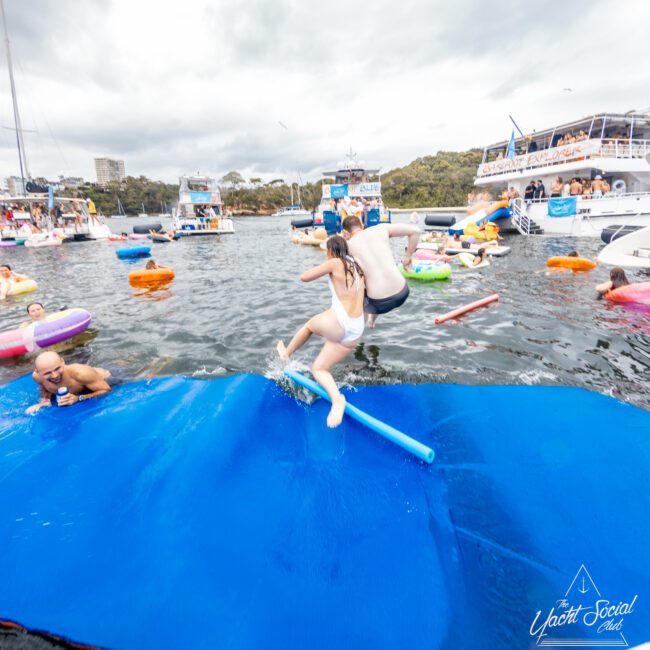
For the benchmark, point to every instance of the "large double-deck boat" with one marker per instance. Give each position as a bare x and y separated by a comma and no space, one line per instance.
602,162
42,219
200,211
352,189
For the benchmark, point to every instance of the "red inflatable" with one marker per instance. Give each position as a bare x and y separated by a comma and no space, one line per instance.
638,292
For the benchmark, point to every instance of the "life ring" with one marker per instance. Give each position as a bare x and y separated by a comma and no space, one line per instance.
467,259
619,186
22,287
638,292
136,251
151,276
427,271
573,263
52,329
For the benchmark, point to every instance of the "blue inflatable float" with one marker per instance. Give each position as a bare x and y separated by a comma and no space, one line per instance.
180,513
134,251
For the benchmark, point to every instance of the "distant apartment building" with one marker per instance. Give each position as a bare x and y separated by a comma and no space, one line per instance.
15,186
108,170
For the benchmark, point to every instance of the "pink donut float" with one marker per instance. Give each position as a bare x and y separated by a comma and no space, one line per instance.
638,292
54,328
427,254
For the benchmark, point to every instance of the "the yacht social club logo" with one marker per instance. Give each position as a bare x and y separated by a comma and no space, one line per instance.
583,618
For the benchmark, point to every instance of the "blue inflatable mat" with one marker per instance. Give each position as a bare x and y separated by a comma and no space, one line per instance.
181,513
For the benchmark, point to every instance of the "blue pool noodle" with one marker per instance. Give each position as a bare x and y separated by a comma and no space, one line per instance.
405,442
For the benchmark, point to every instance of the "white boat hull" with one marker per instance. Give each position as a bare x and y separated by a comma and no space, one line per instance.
621,252
593,215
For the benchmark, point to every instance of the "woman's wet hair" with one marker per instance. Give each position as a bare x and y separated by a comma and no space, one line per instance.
150,265
338,247
618,277
481,252
31,304
5,266
573,254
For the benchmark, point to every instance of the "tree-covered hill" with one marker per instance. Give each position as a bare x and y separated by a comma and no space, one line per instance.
443,179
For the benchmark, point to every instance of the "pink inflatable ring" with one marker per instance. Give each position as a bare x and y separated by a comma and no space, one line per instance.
57,327
638,292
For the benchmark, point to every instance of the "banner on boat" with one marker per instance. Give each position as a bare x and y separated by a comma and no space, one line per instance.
562,207
553,156
201,197
359,189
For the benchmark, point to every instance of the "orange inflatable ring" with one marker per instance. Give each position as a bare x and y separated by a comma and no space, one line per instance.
573,263
151,276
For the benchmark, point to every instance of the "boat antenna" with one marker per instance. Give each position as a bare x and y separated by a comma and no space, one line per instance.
516,126
22,158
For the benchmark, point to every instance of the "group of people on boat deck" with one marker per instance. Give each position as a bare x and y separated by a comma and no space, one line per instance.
355,207
583,187
36,217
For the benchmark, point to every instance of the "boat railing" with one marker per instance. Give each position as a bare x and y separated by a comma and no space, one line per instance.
519,218
577,152
624,148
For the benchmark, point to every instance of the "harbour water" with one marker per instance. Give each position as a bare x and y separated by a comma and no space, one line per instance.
235,296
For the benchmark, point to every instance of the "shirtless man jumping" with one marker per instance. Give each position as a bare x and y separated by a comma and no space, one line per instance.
83,381
386,289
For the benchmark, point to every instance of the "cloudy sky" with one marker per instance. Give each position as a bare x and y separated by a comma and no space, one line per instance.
275,87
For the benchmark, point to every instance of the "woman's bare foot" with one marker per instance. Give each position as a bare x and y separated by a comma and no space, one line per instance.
336,412
282,351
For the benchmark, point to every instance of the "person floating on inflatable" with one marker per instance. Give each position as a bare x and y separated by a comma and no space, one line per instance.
36,312
8,279
341,326
78,381
617,279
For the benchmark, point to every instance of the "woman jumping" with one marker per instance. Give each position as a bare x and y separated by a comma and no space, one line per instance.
341,326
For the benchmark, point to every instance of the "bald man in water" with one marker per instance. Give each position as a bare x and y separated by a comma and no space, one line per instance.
82,381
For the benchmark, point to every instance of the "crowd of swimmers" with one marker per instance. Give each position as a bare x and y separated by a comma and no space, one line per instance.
364,283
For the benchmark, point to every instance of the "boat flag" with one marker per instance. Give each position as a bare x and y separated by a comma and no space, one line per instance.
511,147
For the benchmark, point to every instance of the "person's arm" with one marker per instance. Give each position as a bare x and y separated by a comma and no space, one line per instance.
92,380
406,230
604,287
46,398
319,271
4,289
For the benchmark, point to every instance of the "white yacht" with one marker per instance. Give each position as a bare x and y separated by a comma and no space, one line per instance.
33,223
200,211
351,190
295,210
608,147
37,216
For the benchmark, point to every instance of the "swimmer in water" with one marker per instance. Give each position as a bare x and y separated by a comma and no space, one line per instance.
341,326
8,278
479,258
52,373
36,312
617,279
152,265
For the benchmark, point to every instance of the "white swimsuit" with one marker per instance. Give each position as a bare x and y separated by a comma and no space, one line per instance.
352,327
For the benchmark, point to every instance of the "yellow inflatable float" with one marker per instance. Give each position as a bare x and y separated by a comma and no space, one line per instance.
490,232
22,287
315,238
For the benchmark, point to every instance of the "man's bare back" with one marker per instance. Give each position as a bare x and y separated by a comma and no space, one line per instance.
371,248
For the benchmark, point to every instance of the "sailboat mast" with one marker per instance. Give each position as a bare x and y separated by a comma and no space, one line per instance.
19,132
